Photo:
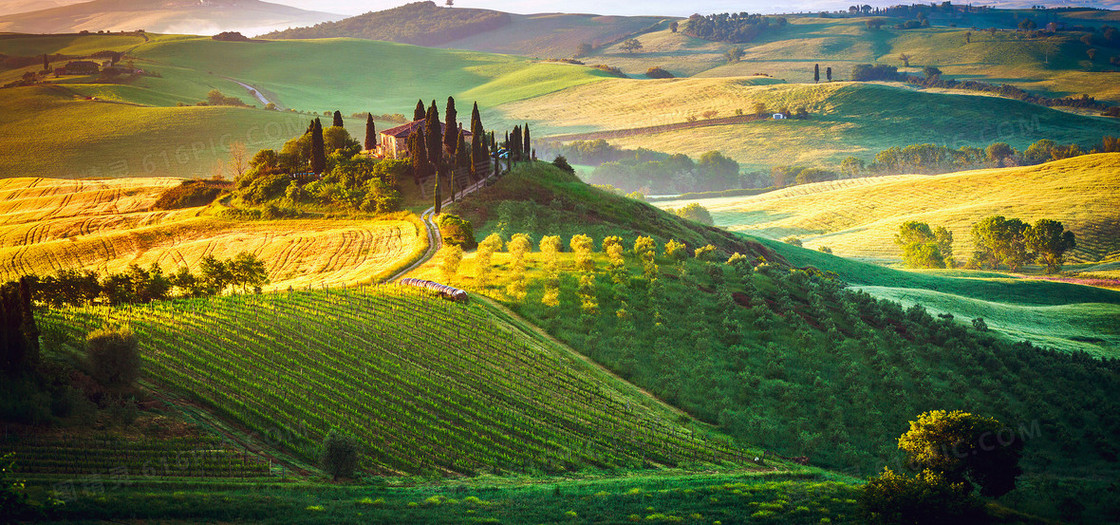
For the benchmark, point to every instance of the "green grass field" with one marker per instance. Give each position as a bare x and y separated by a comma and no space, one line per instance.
1063,316
50,132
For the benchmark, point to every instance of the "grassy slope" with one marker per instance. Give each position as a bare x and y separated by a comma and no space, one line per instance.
361,75
53,224
1059,315
859,217
847,119
50,133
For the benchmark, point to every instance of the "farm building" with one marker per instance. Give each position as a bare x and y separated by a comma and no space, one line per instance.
779,116
393,142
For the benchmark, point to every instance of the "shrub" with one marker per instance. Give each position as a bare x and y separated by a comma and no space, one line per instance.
794,241
928,498
188,194
339,456
657,72
562,162
705,253
456,231
695,212
113,358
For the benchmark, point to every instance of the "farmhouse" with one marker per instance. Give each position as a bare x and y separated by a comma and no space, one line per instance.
393,142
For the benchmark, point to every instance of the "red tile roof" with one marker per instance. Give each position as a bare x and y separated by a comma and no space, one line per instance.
404,130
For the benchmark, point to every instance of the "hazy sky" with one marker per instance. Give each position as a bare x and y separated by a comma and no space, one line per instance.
649,7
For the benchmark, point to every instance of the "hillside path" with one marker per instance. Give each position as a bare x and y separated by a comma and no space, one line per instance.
435,240
253,91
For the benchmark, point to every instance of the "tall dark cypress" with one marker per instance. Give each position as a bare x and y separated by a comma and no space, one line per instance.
318,155
478,142
450,124
434,142
418,152
46,63
418,113
527,149
19,337
338,119
828,73
514,141
816,72
438,198
371,133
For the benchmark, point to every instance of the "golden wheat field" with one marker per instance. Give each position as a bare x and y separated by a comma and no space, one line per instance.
106,225
859,217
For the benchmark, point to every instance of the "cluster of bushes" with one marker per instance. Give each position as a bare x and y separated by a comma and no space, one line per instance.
782,176
349,179
418,23
230,36
735,28
245,271
217,98
612,70
694,212
189,194
657,72
868,72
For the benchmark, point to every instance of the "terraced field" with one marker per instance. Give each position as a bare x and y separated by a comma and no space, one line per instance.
106,225
424,384
859,217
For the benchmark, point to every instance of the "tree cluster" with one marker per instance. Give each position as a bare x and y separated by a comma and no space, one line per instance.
1003,90
1014,243
652,172
736,28
925,247
869,72
244,272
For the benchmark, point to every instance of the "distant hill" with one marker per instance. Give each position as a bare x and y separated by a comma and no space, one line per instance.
556,35
859,217
419,23
164,16
11,7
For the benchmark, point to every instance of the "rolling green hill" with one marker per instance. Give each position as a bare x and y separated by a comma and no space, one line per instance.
859,217
50,131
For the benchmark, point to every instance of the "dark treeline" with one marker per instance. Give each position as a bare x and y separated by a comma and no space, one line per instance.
1003,90
244,272
736,28
651,172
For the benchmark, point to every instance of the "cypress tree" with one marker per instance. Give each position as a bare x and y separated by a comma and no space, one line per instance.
527,147
318,156
463,154
338,119
514,141
816,72
46,63
434,142
418,152
451,118
371,133
418,113
478,141
828,73
439,198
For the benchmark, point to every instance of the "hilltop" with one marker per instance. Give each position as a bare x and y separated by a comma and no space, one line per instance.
419,23
163,16
859,217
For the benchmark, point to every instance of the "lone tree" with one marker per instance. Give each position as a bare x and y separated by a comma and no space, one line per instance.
631,45
420,111
113,358
674,26
338,119
19,336
1051,241
478,146
905,59
998,152
919,245
828,73
339,455
816,73
318,155
371,133
965,447
451,131
526,148
46,63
